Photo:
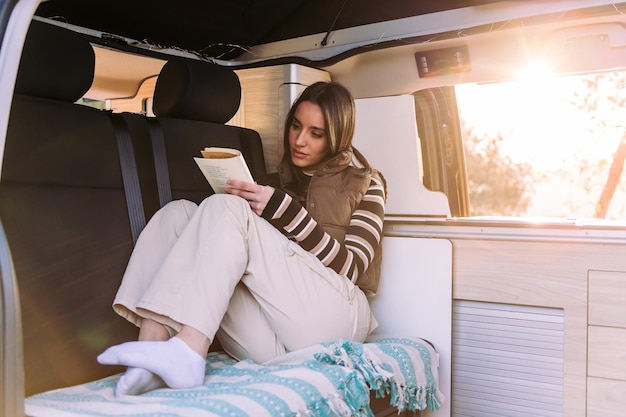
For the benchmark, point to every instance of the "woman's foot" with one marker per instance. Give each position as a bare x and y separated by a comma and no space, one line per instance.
136,381
177,364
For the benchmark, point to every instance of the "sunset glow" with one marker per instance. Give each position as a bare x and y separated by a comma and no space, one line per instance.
544,122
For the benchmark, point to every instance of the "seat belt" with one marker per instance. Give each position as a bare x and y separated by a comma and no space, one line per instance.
160,161
130,177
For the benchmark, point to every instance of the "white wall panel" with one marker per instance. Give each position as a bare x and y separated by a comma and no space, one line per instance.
415,299
386,133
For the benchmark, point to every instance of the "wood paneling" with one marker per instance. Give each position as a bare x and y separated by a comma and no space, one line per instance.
606,397
607,298
607,352
542,274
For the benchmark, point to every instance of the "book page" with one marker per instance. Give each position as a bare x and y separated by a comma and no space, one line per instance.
221,164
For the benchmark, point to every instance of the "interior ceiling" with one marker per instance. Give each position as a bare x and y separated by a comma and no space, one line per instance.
211,27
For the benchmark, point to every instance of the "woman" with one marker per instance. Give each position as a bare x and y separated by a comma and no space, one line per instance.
266,269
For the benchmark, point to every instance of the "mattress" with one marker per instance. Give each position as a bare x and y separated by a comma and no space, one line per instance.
328,379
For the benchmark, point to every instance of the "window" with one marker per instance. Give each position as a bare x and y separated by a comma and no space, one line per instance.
98,104
546,146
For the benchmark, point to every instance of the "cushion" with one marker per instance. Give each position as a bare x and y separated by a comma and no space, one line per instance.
197,90
56,64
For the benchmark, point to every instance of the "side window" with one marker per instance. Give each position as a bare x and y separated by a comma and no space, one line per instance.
98,104
546,146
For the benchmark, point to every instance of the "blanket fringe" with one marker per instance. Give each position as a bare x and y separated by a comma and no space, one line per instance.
379,379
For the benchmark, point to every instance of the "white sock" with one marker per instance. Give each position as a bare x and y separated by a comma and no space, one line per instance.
136,381
174,361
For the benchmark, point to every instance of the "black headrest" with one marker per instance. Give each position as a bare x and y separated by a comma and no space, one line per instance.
196,90
56,63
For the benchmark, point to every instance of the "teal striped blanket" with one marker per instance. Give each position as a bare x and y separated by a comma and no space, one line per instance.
329,379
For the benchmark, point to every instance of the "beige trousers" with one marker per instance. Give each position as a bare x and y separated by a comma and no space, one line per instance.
219,266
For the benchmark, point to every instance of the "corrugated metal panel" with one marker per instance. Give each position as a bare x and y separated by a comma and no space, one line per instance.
507,360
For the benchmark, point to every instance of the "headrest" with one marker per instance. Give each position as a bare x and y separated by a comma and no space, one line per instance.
196,90
56,63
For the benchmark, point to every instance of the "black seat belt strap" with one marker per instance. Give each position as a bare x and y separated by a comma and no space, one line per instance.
160,161
130,177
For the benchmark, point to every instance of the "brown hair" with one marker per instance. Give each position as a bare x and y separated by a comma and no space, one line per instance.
338,108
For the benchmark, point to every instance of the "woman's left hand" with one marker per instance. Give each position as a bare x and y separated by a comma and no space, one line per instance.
256,195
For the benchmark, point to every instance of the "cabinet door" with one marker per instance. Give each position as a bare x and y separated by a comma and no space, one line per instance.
607,352
607,298
605,397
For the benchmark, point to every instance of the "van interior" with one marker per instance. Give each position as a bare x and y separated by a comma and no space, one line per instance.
498,125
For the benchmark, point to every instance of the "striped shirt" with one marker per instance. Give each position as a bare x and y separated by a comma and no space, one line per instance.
349,258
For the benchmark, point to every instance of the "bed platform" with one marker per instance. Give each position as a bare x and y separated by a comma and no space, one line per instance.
338,378
330,379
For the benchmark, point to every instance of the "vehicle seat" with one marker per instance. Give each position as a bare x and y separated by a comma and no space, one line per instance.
63,207
192,102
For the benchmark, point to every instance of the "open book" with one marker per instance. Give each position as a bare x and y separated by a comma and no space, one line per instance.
221,164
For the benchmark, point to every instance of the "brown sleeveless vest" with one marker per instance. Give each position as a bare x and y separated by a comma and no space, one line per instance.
334,193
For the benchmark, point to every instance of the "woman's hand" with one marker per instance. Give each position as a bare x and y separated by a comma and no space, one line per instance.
256,195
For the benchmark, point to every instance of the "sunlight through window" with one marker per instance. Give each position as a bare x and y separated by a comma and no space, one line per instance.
546,145
535,72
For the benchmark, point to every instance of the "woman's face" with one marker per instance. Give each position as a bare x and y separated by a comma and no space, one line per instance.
307,137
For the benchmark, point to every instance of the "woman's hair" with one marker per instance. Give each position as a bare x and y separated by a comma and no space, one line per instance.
339,113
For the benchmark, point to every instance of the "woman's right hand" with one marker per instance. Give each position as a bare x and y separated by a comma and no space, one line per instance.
257,195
